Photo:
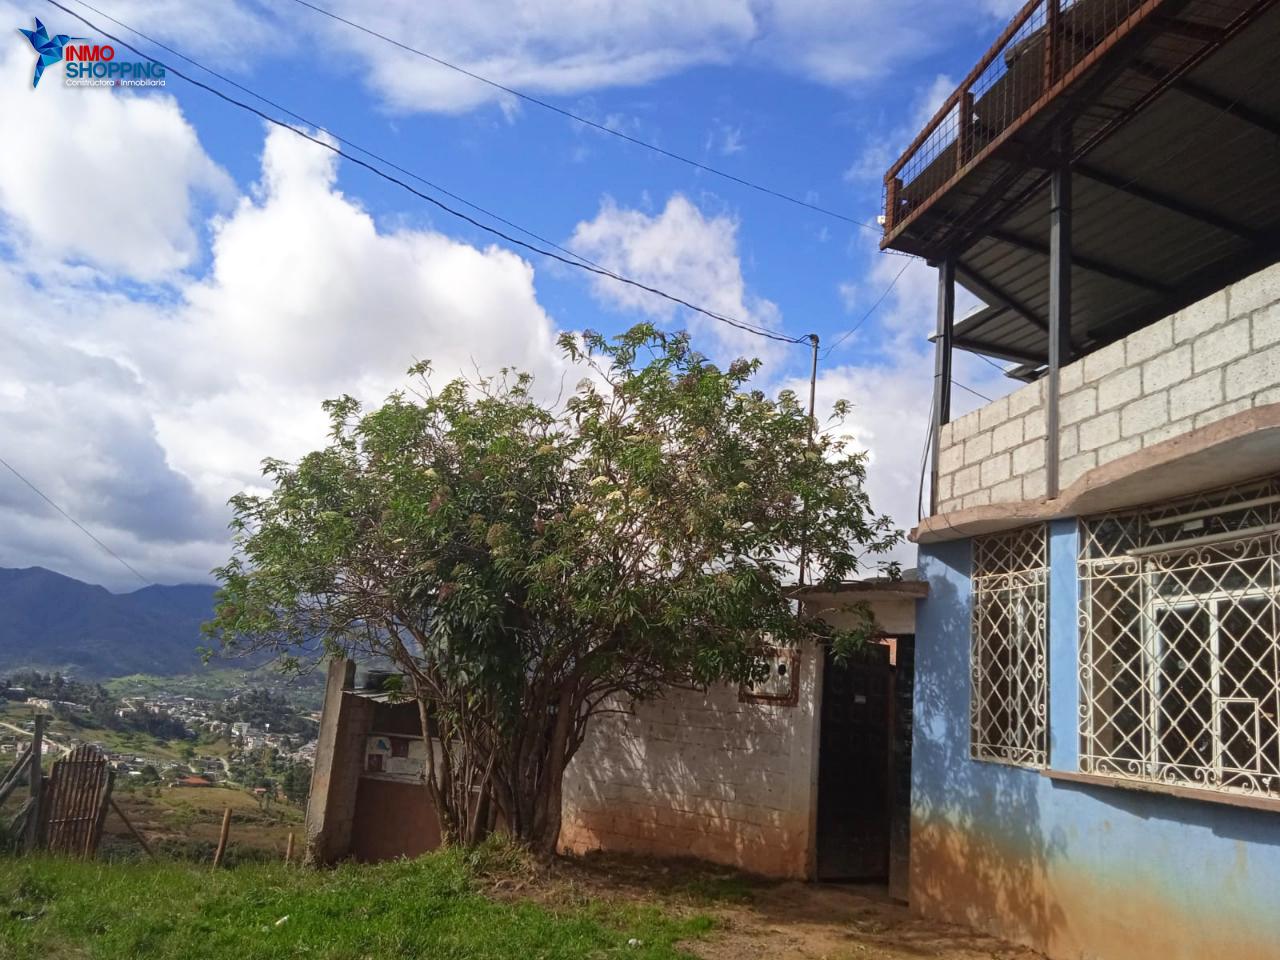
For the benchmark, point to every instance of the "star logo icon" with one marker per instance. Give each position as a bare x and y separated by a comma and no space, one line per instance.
47,48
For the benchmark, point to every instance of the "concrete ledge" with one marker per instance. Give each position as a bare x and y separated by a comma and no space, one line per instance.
1236,448
1201,794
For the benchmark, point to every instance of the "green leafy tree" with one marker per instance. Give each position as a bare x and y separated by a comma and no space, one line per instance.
296,783
527,565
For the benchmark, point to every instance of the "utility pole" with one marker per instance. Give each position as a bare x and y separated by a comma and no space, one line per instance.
813,424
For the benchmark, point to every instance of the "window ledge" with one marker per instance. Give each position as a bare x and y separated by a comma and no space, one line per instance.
1167,789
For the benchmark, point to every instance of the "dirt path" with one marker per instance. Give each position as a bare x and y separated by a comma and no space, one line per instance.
762,920
795,921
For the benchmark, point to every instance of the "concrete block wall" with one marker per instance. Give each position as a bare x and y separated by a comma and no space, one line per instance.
700,774
1215,358
339,760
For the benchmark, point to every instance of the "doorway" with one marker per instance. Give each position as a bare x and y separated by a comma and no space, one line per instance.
860,754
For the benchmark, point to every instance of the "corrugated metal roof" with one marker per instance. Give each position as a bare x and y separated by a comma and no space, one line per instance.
1208,144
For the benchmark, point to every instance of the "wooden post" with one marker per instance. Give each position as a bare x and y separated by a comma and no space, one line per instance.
9,782
1059,300
288,849
35,773
1052,43
222,837
132,829
942,365
94,836
892,191
964,129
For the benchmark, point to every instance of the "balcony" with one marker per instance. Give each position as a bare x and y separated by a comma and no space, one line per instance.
1108,166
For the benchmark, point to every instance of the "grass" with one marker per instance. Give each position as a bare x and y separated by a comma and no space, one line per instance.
186,821
431,907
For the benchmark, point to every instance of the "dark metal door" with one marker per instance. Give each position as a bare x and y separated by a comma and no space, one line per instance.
854,767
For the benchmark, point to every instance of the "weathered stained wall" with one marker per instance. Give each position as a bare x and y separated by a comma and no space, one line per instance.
701,774
392,820
1075,871
339,759
1215,358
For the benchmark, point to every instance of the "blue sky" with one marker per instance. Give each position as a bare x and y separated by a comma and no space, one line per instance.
180,287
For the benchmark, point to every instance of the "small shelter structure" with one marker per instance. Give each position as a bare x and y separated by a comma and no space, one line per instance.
804,775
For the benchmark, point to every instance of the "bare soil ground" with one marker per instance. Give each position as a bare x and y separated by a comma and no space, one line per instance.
758,918
186,821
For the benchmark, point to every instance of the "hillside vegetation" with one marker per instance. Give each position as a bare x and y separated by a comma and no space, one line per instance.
56,622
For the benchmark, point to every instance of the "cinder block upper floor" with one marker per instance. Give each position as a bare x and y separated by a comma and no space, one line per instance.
1172,380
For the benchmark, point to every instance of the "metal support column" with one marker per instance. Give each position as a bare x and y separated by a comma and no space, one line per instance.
942,365
1059,299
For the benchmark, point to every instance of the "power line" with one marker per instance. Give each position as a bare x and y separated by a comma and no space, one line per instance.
331,132
990,362
603,128
79,526
980,396
872,309
541,251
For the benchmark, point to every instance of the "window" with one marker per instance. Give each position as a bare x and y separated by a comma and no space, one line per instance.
1180,661
1008,706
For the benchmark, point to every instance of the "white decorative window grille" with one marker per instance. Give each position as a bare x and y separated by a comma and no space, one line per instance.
1008,706
1180,659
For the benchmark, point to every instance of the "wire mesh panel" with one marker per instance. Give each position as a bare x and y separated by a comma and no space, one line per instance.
1008,706
1180,659
1049,46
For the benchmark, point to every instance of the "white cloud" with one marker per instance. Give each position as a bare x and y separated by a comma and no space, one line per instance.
548,46
685,252
725,140
891,391
571,47
882,150
99,177
229,32
141,416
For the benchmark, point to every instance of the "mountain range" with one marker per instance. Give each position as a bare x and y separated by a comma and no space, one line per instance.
50,621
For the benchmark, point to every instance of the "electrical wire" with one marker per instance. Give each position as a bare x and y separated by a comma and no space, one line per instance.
991,362
79,526
378,171
980,396
418,177
603,128
872,309
331,132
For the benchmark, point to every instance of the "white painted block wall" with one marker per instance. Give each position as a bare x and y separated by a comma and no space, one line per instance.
701,774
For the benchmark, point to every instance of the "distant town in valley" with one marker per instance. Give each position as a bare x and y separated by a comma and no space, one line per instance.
258,739
185,739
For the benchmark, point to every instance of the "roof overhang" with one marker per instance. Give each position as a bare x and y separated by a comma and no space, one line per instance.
1175,112
874,589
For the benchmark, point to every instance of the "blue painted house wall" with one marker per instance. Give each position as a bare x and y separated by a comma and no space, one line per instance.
1077,871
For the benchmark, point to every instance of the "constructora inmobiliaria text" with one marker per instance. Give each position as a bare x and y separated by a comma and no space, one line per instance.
95,65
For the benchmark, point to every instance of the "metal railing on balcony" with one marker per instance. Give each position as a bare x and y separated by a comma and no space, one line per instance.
1047,47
